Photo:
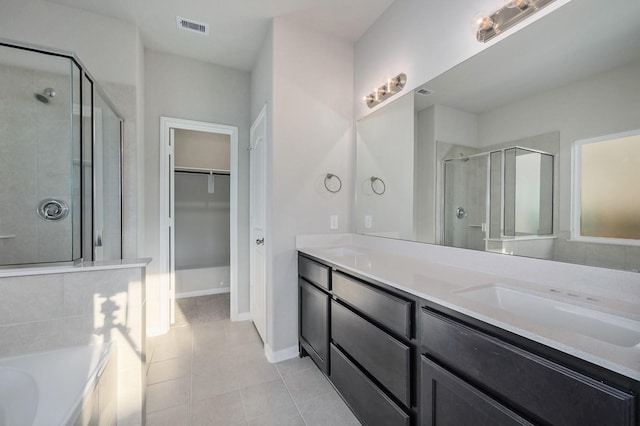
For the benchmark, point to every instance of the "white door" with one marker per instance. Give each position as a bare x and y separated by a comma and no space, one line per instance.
171,230
257,213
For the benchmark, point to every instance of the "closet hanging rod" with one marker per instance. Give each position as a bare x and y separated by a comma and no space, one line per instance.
203,172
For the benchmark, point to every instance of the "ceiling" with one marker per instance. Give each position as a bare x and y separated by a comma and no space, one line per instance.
238,27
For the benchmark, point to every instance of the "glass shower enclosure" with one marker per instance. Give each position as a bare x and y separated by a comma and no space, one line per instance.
496,196
60,161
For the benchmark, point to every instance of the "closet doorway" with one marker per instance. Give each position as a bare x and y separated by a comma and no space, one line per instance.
199,226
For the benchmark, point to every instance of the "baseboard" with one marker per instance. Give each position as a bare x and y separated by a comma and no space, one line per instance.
281,355
243,316
203,292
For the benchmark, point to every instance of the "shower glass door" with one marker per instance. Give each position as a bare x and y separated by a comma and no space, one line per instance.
39,215
465,202
107,181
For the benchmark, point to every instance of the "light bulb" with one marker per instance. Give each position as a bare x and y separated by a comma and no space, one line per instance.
520,4
485,23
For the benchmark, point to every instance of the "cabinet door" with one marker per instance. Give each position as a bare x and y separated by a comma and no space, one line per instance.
541,389
314,323
447,400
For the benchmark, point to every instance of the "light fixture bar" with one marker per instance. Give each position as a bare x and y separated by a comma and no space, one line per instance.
506,17
382,93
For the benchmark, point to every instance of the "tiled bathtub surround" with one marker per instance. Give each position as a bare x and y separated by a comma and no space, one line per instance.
44,312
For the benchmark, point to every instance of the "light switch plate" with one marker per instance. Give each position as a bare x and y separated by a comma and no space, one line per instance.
368,221
333,221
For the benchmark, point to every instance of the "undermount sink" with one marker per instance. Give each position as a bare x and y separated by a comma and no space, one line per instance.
341,251
599,325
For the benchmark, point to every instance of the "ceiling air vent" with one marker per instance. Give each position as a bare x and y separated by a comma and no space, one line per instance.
191,25
424,91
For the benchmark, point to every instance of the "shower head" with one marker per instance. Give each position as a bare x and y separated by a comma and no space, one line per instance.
47,94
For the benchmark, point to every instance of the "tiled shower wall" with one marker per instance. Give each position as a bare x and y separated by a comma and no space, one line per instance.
46,312
35,163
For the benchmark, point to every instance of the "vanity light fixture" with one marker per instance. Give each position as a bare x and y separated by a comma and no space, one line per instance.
382,93
506,17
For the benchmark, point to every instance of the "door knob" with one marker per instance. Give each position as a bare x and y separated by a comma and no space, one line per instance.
260,241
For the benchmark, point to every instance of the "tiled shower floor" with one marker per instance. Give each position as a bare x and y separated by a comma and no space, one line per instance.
210,371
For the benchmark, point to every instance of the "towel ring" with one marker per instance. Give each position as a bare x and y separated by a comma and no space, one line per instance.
328,178
373,188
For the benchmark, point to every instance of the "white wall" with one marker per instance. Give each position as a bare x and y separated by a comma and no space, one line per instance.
184,88
312,121
425,175
107,46
202,150
385,146
422,39
262,81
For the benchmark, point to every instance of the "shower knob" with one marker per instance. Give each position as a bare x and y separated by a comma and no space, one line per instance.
53,210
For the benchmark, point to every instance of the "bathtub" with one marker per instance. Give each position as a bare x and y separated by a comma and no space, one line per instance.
70,386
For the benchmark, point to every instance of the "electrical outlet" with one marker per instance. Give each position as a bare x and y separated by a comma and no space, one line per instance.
368,221
333,221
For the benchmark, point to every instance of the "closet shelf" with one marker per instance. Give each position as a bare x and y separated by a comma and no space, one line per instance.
203,171
198,266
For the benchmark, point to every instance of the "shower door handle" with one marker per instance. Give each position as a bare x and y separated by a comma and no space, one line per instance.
98,239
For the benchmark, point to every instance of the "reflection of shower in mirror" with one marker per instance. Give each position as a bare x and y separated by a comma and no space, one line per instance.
507,194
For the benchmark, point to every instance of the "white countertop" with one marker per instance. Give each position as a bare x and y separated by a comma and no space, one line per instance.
76,267
416,273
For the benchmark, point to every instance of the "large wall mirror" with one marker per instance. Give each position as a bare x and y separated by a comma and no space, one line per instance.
529,148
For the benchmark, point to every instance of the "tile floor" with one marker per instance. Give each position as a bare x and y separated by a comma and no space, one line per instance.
210,371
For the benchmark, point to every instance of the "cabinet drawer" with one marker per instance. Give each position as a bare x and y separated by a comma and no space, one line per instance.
449,400
366,400
389,310
314,323
384,357
535,386
314,272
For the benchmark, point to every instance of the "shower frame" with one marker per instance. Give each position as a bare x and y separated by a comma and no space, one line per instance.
86,254
487,228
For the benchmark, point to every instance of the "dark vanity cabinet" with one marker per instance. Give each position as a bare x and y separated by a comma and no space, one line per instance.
449,400
471,377
370,339
314,283
371,350
399,360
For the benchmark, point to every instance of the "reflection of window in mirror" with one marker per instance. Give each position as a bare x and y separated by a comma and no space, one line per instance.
606,194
